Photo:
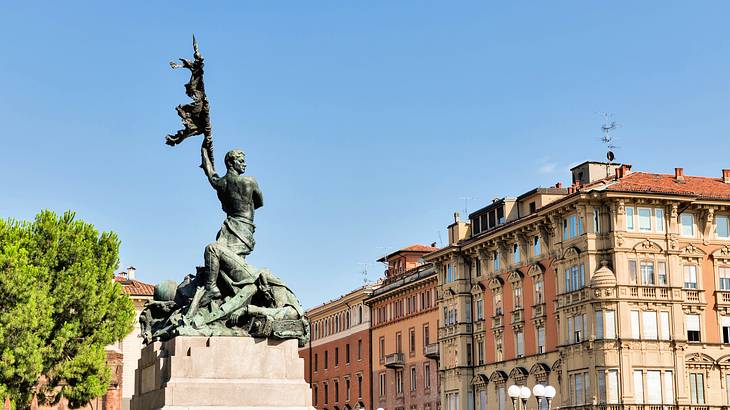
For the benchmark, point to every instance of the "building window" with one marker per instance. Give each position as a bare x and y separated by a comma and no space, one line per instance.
381,349
697,388
426,341
629,218
398,342
316,359
659,214
337,356
608,387
480,309
382,385
635,332
347,353
452,401
632,272
315,390
480,352
449,273
495,258
693,328
326,393
359,349
520,342
326,359
649,320
668,387
414,382
725,323
724,273
541,339
498,351
572,227
399,382
598,324
427,375
664,323
687,222
638,386
576,328
690,276
536,251
412,341
575,278
609,324
722,227
497,301
468,354
647,273
579,388
359,386
539,291
517,296
347,389
662,273
337,391
516,253
644,219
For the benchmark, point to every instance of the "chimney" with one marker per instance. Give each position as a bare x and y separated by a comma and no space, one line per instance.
457,217
433,244
130,272
726,176
559,185
679,174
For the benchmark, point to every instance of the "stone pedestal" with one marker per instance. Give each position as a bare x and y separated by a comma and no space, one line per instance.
206,373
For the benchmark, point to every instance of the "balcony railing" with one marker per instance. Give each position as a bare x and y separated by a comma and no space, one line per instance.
650,292
694,296
497,321
517,316
394,361
431,351
722,297
538,310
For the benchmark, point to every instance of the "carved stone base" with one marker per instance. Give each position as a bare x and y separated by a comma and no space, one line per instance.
197,372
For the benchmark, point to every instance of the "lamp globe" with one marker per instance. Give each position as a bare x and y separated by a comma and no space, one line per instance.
538,390
513,391
549,392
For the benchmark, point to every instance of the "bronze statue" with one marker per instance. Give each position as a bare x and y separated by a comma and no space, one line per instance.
228,296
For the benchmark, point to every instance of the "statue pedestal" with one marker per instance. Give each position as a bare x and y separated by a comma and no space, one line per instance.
198,372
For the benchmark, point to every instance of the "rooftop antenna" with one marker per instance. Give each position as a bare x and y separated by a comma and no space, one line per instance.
608,139
466,203
441,241
364,272
385,255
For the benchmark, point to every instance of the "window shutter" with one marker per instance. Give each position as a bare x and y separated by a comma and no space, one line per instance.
649,318
610,324
664,322
653,387
668,387
635,324
725,321
693,322
612,387
638,387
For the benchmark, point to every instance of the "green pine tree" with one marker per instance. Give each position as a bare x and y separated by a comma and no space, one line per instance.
59,308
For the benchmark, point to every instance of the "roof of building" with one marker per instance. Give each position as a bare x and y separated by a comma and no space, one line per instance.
412,248
134,287
644,182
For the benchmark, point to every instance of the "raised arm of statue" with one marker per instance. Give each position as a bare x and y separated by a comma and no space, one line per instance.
207,164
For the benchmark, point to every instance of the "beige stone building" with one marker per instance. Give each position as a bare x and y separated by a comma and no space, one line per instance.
131,346
616,291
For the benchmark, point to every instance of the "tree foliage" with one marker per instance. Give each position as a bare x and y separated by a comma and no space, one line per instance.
59,308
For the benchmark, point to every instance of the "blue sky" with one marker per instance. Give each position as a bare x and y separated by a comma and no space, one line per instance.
365,123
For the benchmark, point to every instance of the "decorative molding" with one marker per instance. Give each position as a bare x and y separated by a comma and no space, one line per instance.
648,246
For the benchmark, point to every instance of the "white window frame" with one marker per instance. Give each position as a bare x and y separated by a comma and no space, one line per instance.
691,218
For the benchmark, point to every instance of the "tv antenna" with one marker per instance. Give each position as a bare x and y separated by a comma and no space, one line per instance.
364,272
607,138
466,203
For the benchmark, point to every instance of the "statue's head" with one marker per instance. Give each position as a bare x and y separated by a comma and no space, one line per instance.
236,159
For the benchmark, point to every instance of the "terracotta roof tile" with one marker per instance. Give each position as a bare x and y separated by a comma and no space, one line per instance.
702,187
419,248
134,287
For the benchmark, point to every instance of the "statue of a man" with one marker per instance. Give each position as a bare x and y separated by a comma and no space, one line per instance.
240,196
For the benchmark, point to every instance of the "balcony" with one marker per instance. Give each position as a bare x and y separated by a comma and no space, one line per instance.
693,296
431,351
497,322
538,310
722,300
517,316
650,292
394,361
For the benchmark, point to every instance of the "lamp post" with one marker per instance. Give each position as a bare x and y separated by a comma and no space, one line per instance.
522,393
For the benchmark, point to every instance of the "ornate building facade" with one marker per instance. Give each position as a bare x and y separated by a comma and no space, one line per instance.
404,333
337,359
616,291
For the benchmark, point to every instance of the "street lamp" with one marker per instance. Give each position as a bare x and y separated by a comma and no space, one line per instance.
539,392
549,394
518,393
